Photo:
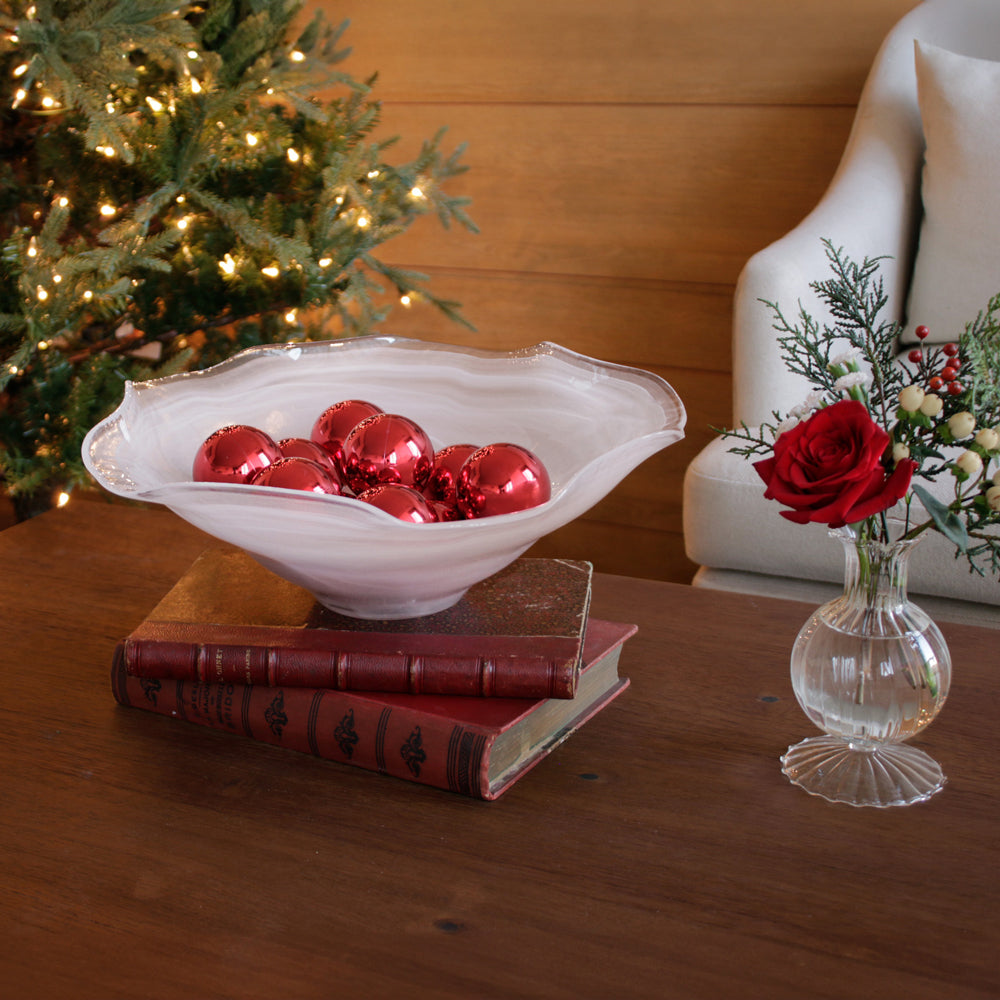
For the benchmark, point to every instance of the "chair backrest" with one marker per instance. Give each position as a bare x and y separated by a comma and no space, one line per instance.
871,207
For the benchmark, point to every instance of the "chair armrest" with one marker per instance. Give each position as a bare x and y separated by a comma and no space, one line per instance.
871,208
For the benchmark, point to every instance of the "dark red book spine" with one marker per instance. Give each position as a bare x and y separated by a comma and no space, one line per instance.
332,724
306,658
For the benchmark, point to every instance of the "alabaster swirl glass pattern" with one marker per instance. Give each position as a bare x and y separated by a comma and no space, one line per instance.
590,422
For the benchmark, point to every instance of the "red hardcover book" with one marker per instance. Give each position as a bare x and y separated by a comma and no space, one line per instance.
474,746
518,634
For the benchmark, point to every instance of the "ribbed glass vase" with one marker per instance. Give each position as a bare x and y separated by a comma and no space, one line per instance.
871,670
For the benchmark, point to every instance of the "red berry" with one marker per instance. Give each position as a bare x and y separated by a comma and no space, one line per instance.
916,355
950,349
922,332
935,383
955,388
949,374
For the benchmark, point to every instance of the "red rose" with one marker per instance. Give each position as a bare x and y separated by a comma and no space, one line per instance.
829,468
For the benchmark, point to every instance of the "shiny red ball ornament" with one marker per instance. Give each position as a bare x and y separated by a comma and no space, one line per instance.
922,332
298,474
955,388
950,350
403,502
501,479
387,448
234,454
445,511
334,424
296,447
916,355
448,463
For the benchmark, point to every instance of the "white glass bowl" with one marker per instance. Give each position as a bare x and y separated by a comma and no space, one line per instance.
590,422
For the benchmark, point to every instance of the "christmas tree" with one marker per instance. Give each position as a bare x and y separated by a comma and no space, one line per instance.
177,183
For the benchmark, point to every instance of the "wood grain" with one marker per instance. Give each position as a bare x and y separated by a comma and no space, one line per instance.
639,51
658,853
678,193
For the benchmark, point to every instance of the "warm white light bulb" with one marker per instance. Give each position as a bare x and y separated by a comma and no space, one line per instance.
62,499
195,85
405,300
154,103
21,70
41,293
325,261
271,272
290,316
296,56
252,140
107,210
293,155
63,202
363,221
227,264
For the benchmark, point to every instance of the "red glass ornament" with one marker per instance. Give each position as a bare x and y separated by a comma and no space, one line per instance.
500,479
334,424
234,454
448,463
922,332
298,474
444,511
296,447
403,502
387,448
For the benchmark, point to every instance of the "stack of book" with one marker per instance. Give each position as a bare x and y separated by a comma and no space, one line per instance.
468,699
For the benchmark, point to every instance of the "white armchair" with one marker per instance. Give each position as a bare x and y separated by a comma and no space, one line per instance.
873,207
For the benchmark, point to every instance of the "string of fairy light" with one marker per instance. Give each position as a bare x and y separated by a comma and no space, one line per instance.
229,266
30,96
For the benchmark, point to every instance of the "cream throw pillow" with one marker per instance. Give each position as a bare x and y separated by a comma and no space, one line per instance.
957,269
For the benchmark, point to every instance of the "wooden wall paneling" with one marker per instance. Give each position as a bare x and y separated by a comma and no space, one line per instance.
641,51
629,321
673,193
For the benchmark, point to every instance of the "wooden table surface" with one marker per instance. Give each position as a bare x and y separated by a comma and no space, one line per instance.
658,853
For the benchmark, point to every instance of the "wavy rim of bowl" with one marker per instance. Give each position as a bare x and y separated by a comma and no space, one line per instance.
670,433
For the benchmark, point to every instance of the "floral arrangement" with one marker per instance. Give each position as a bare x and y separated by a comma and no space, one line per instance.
877,429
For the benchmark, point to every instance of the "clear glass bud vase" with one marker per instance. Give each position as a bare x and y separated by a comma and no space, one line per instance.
870,669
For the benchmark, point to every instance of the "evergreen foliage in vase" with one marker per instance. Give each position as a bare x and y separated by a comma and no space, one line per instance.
178,182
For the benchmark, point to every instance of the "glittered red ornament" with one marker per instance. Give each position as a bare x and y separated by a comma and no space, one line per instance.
448,463
387,448
298,474
501,479
334,424
234,454
297,447
403,502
